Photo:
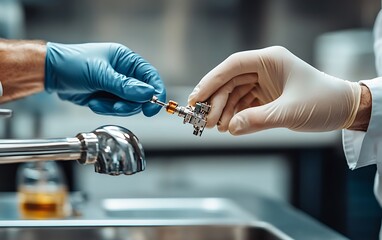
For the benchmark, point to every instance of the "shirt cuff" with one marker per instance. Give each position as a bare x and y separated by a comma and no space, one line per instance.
352,142
361,148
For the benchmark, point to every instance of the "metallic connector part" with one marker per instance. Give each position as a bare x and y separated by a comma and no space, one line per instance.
197,116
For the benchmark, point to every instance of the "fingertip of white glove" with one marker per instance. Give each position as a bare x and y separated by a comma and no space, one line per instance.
249,121
192,97
238,125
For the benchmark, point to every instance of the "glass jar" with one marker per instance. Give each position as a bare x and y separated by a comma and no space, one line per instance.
42,191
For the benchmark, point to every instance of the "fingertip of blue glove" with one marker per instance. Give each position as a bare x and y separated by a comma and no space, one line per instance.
137,91
150,109
113,108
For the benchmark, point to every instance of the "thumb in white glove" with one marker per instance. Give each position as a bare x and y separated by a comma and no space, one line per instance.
269,88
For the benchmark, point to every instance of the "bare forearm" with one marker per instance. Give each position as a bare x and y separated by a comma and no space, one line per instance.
362,119
22,65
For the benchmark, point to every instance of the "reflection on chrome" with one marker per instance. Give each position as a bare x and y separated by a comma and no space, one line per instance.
113,150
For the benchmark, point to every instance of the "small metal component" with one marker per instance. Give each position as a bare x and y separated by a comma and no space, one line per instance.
171,107
156,101
197,116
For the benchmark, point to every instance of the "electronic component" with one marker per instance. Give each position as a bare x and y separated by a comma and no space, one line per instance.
197,116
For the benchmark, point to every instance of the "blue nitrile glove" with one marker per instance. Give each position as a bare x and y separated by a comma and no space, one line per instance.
109,78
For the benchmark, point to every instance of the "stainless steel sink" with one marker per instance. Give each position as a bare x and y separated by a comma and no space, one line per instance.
168,218
174,208
144,219
165,232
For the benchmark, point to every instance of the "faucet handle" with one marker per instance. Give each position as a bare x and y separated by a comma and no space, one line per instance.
113,150
5,113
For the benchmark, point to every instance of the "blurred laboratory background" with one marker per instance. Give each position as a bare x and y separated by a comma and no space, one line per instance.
185,39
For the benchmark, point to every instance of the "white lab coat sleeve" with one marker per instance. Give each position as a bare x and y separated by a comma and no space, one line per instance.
378,43
365,148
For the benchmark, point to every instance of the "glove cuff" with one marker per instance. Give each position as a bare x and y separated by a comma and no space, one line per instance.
50,83
354,99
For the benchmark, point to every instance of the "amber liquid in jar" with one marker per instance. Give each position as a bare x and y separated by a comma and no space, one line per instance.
43,204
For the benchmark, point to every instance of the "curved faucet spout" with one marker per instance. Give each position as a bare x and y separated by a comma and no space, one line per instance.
119,151
112,149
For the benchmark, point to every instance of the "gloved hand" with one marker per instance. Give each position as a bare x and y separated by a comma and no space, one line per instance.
109,78
269,88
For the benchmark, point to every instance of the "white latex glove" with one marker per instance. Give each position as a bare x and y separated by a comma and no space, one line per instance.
269,88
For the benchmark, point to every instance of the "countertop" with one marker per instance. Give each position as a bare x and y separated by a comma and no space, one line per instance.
281,215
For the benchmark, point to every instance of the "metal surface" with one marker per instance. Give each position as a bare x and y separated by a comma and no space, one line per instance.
174,208
119,151
112,149
5,113
166,232
39,150
98,215
144,219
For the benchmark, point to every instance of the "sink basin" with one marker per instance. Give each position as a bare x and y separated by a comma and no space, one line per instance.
174,208
144,219
163,218
164,232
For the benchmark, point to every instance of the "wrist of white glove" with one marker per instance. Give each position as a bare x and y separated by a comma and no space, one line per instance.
271,87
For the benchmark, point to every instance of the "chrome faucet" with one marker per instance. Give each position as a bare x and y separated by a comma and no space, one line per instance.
112,149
